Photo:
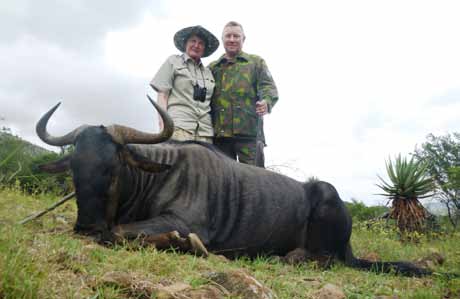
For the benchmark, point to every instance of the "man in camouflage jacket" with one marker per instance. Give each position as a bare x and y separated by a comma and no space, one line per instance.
244,92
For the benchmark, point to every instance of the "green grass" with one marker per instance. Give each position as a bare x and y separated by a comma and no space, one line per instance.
45,259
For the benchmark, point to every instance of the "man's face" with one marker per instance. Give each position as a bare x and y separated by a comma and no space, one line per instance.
195,47
233,39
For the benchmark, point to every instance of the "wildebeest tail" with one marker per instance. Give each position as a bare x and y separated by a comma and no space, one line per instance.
398,267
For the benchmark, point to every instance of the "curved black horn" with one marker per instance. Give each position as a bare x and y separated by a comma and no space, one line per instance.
125,135
52,140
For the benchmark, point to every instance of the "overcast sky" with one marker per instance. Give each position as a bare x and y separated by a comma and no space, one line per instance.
359,81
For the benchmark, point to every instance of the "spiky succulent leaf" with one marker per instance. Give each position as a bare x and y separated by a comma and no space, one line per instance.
408,179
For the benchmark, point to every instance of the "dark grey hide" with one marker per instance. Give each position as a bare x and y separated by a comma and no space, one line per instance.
230,206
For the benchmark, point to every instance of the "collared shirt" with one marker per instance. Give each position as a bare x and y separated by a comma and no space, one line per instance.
240,83
176,77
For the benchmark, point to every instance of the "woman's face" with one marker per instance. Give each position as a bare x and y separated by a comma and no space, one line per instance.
194,47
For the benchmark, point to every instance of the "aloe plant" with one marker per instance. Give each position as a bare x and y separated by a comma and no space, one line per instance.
409,182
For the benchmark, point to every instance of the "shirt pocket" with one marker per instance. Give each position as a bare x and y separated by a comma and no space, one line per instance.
183,78
182,71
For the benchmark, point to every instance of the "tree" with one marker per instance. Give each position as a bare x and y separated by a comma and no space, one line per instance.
409,182
442,155
360,212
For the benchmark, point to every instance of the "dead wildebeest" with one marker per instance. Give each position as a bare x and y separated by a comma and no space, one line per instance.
131,184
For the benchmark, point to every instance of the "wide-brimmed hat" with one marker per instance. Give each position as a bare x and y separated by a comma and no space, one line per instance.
181,37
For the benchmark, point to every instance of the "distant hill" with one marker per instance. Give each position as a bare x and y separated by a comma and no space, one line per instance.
7,140
19,160
16,156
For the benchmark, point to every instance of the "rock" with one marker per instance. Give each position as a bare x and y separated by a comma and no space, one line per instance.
184,291
176,287
171,291
220,258
117,278
232,284
329,291
206,292
241,285
130,281
431,261
313,283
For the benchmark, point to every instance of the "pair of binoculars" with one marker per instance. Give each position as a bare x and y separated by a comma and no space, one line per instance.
199,93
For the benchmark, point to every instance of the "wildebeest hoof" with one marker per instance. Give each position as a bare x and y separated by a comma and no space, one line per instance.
196,246
296,256
174,236
109,238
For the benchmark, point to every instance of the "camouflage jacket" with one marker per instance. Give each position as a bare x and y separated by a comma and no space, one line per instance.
239,84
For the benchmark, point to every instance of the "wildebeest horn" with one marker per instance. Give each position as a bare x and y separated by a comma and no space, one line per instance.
51,140
120,134
125,135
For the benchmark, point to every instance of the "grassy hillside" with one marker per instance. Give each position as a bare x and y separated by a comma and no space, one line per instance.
27,148
19,160
44,259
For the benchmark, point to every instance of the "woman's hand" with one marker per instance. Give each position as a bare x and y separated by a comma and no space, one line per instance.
162,100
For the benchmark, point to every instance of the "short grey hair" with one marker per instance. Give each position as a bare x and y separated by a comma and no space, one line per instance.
235,24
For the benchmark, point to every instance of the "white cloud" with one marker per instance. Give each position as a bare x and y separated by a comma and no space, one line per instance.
359,81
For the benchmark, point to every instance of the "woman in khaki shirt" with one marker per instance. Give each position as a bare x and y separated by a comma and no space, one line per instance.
185,86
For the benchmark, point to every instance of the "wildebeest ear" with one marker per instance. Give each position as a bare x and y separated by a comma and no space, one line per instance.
141,162
60,165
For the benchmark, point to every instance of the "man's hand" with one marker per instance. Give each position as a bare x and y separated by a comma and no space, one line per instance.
261,108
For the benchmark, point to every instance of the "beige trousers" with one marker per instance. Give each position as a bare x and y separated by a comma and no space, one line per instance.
182,135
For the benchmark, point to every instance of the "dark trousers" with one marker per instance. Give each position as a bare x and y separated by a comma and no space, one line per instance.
244,150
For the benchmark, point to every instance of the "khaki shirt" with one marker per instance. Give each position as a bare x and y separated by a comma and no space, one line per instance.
176,77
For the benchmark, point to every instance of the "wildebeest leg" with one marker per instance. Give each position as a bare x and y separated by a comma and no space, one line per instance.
161,232
296,256
191,243
301,255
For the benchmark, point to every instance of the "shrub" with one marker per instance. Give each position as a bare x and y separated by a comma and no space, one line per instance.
360,212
